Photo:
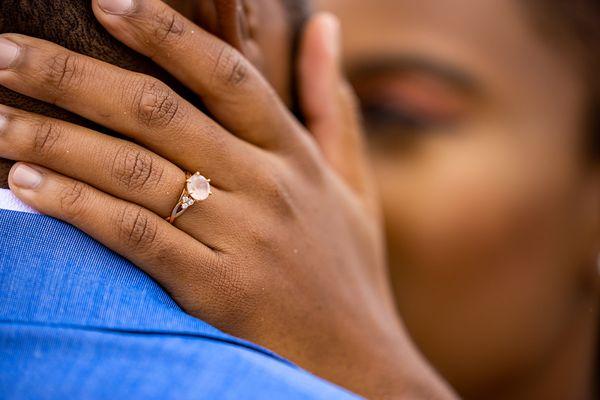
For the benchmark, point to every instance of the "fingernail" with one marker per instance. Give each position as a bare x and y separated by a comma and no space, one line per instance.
8,53
26,177
333,38
116,6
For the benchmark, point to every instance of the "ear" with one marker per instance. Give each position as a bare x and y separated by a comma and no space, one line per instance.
232,21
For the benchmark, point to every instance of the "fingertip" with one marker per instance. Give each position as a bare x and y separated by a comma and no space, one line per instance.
319,65
115,7
117,16
25,177
110,20
330,30
322,36
24,182
125,20
149,27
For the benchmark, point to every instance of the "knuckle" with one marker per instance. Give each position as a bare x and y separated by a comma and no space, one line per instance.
309,165
62,72
73,199
46,135
230,70
263,237
156,105
279,195
137,228
168,29
136,169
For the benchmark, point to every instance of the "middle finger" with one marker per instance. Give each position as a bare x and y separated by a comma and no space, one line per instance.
126,102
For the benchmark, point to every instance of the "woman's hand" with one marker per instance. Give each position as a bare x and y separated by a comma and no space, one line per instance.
288,252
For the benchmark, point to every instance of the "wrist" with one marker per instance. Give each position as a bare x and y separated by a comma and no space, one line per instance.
391,367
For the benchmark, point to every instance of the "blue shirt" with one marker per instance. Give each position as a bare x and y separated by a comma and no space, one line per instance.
77,321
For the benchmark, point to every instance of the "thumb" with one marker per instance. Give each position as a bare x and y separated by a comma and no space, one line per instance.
329,104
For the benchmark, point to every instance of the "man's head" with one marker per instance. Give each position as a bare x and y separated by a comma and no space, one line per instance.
253,26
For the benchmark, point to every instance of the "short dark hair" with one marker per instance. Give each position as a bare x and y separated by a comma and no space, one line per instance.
71,24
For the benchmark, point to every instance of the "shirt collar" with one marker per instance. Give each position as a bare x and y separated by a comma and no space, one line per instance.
8,201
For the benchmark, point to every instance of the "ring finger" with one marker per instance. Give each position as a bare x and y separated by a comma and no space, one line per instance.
145,239
115,166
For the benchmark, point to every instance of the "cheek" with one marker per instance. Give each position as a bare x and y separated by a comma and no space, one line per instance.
482,236
459,199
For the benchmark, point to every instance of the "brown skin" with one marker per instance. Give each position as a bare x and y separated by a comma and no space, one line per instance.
490,203
269,43
267,46
287,253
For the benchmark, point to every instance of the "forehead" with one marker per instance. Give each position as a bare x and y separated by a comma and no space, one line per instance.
474,28
494,41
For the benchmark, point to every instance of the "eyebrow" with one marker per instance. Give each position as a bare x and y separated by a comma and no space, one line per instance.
411,63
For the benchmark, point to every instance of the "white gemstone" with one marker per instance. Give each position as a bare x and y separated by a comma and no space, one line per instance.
198,187
185,206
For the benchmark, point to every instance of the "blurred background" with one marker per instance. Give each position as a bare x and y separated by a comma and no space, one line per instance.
482,118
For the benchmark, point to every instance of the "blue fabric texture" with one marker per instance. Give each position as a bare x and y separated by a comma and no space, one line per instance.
77,321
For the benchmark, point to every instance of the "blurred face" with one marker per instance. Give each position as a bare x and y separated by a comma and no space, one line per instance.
476,126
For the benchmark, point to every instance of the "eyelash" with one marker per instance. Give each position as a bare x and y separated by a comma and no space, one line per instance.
381,117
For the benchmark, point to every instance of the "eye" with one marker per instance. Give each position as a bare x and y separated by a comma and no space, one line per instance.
410,103
380,115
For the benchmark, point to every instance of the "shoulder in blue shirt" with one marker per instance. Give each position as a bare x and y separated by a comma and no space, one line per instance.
77,321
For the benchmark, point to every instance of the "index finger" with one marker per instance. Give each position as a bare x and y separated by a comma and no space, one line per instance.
231,88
